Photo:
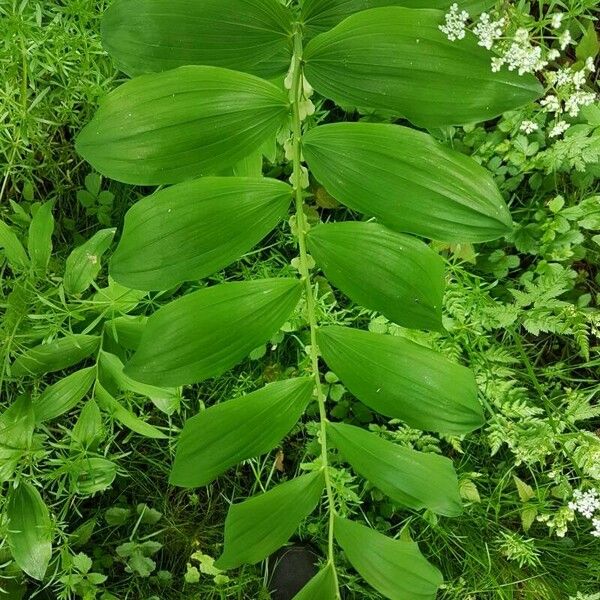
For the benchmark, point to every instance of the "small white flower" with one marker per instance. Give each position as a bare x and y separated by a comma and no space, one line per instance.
589,64
565,39
556,20
559,128
522,35
551,103
524,57
455,25
488,31
529,126
578,99
562,77
596,524
586,503
579,79
553,54
497,64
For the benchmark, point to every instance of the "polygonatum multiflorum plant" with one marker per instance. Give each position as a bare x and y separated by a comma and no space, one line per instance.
214,84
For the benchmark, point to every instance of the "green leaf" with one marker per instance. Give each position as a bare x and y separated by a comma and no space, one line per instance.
321,15
157,35
322,586
124,416
29,533
87,431
401,379
62,396
207,332
17,424
92,475
414,479
13,249
225,434
165,399
188,122
408,181
395,568
588,46
127,330
397,59
189,231
385,271
257,527
39,240
55,356
84,263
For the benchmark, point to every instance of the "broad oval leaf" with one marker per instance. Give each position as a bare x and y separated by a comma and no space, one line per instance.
395,274
402,379
414,479
62,396
395,568
29,533
118,412
84,263
397,59
158,35
321,15
207,332
257,527
188,122
322,586
17,424
127,330
224,435
55,356
408,181
13,249
193,229
87,431
39,240
90,475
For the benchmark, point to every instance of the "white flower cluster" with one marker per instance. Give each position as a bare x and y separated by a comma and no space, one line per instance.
586,504
456,22
488,31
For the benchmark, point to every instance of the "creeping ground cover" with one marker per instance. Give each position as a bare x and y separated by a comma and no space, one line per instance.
320,273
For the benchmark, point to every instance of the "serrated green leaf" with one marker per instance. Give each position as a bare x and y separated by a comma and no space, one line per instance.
397,59
29,534
395,568
394,274
157,35
39,240
257,527
189,122
321,15
322,586
225,434
414,479
84,263
429,189
62,396
55,356
401,379
118,412
13,249
207,332
193,229
524,490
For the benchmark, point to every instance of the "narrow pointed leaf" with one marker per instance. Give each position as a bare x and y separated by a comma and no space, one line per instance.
188,122
190,230
87,431
118,412
395,274
257,527
207,332
55,356
322,586
397,59
321,15
84,263
401,379
429,190
226,434
13,249
39,240
29,533
395,568
62,396
158,35
414,479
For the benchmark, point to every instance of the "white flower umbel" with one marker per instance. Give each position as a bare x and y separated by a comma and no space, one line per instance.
585,503
488,31
455,25
559,128
529,126
596,524
565,39
574,102
551,103
556,21
524,57
589,64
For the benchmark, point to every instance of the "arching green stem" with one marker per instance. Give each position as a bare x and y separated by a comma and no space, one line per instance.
302,227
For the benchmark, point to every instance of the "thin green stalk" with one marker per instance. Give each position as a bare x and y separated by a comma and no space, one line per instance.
302,226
